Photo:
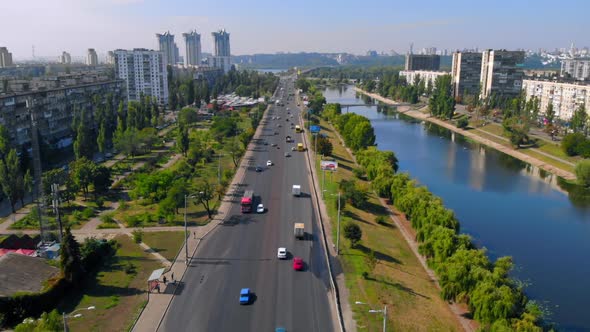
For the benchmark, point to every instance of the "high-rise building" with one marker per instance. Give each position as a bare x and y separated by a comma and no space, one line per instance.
193,48
566,98
144,72
466,73
65,58
222,50
110,58
578,69
92,57
422,62
167,46
501,73
5,58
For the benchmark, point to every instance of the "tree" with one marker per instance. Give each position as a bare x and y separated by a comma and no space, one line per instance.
4,141
128,142
550,113
101,140
147,137
83,143
579,119
571,144
206,192
27,186
47,322
583,172
441,102
353,233
187,116
70,258
9,177
490,302
324,146
182,139
516,130
101,179
235,149
82,171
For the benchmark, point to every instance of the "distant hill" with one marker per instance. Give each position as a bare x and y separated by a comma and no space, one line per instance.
284,60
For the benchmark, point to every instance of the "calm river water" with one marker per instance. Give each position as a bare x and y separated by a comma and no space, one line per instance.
507,206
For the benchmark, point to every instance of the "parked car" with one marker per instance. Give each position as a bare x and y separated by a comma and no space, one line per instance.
282,253
245,296
297,264
260,208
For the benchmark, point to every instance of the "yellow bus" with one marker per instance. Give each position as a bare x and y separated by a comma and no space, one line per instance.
300,147
298,129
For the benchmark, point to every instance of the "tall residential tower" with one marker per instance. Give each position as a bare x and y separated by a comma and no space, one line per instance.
222,51
92,57
144,72
5,58
193,48
167,46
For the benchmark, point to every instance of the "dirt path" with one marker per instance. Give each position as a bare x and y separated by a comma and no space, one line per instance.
470,134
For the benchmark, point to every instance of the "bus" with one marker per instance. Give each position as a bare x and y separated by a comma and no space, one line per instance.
298,129
247,201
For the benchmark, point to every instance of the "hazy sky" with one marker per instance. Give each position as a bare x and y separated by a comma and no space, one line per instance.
268,26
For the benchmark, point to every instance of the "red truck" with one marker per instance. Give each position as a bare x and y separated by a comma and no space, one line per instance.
247,201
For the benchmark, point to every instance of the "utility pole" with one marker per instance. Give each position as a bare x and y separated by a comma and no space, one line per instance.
338,230
185,232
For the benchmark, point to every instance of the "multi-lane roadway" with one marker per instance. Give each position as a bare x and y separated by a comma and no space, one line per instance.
242,252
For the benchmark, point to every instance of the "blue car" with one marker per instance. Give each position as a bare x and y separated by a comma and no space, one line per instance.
245,296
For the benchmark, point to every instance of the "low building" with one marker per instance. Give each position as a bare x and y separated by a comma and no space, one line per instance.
412,76
565,97
422,62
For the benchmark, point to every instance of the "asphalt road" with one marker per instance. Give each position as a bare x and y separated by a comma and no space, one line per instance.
243,252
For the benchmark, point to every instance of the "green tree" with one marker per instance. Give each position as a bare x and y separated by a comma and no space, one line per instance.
101,179
441,102
82,171
182,140
101,140
550,113
128,142
70,258
48,322
516,130
83,143
583,172
324,146
579,119
235,149
571,143
353,233
10,178
206,192
490,302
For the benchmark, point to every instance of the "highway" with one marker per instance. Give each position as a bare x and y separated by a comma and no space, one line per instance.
242,252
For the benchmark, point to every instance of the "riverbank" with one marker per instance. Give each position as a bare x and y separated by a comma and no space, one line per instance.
475,137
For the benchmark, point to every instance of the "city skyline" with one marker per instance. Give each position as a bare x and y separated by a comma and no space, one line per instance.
262,27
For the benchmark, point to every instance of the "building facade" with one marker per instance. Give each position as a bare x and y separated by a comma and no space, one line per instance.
565,97
466,73
144,72
422,62
221,58
578,69
92,57
501,73
193,48
65,58
5,58
168,47
51,102
428,76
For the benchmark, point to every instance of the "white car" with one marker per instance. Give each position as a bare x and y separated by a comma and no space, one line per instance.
282,253
269,163
260,208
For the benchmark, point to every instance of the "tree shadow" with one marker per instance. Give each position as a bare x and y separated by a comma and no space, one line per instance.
379,255
400,287
373,208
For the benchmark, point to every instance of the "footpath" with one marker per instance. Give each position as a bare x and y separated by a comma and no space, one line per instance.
153,313
470,134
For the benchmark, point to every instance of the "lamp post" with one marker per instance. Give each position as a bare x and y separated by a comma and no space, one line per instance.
71,314
366,315
186,197
338,227
374,311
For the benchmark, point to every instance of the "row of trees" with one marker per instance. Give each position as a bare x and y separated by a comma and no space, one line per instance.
441,102
15,177
356,130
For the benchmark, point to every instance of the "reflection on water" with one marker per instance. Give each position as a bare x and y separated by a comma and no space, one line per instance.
506,205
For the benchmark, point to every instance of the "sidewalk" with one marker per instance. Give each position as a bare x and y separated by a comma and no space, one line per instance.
155,310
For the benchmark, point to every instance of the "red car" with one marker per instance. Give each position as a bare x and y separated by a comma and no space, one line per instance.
297,264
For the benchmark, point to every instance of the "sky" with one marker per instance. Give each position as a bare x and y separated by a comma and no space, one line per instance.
269,26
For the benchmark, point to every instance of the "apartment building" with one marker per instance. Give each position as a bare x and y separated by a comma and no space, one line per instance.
412,76
578,69
168,47
221,58
50,102
428,62
144,72
565,97
466,73
65,58
92,57
193,48
501,73
5,58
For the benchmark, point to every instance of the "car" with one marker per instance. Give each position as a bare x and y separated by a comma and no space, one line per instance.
260,208
245,296
297,264
265,143
287,154
276,132
293,148
273,144
268,163
258,168
282,253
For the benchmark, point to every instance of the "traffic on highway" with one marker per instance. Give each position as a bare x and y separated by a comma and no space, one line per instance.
264,268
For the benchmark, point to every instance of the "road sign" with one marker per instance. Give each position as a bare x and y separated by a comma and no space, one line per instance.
314,129
329,165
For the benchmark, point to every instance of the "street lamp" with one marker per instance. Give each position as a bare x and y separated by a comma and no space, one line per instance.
186,197
71,315
338,229
384,312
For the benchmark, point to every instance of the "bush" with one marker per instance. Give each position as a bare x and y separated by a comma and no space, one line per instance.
359,172
137,235
381,220
353,233
123,205
100,202
130,268
87,213
365,275
583,173
462,122
574,144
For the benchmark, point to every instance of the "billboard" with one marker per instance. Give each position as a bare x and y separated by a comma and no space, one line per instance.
314,129
329,165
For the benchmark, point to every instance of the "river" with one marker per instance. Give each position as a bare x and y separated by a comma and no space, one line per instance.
507,206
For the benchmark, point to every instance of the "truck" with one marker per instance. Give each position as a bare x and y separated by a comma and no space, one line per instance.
296,191
288,139
247,201
299,230
300,147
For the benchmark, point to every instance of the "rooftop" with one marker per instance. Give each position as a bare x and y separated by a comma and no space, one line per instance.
19,273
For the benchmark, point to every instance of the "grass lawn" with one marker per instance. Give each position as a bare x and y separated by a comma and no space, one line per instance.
71,214
166,244
398,280
117,295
